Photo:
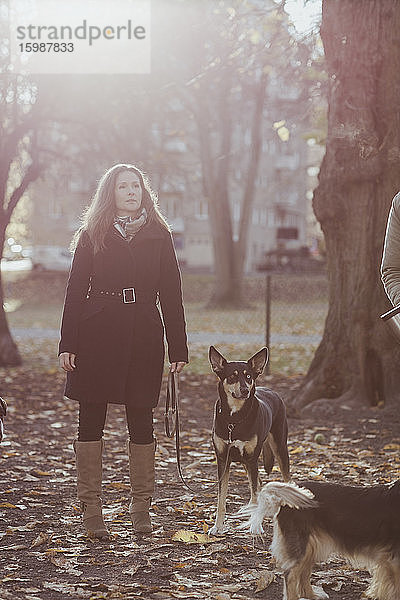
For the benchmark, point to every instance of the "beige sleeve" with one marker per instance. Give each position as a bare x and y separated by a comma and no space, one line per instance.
390,267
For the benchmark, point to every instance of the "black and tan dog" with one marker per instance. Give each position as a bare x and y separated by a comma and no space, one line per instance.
247,420
319,519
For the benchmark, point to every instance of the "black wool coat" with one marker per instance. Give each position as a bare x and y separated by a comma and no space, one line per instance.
120,347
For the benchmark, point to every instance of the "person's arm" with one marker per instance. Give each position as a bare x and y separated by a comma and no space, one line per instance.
75,295
390,267
172,306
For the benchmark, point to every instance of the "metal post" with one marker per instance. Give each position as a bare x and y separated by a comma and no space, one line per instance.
267,317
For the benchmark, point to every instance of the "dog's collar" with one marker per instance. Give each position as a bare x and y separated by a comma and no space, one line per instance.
232,424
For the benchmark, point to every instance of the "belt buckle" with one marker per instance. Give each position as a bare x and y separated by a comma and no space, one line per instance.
128,295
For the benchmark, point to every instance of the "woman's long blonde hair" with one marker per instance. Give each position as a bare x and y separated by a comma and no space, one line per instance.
97,218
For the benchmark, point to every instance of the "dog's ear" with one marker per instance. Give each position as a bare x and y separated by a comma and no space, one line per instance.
258,361
217,361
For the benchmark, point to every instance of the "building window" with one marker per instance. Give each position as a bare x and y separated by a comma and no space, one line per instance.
55,208
292,197
255,218
262,180
201,208
271,218
172,207
78,184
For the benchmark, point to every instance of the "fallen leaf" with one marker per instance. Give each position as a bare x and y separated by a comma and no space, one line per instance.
39,473
40,539
131,570
57,559
391,447
265,579
118,485
191,537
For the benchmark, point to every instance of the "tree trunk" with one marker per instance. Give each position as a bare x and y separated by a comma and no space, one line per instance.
229,255
215,173
252,170
357,360
9,354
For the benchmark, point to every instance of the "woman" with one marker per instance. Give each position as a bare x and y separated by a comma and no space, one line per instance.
390,267
112,336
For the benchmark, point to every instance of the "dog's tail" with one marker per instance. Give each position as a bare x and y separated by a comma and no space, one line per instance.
272,496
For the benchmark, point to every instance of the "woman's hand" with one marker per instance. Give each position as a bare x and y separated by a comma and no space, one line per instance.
176,367
67,361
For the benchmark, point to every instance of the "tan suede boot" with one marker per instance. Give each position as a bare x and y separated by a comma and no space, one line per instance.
89,477
141,471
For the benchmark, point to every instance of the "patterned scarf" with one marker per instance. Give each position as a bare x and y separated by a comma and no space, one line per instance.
129,226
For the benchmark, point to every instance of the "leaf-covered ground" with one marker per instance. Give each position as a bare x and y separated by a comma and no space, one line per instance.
45,555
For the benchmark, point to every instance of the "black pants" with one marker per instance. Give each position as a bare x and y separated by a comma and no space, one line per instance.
92,418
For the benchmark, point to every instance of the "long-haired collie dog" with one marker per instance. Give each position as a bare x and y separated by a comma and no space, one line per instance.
319,519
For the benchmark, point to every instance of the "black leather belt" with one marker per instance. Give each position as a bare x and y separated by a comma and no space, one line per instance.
126,295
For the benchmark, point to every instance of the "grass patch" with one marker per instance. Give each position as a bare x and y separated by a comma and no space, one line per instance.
41,316
226,321
299,318
285,359
286,318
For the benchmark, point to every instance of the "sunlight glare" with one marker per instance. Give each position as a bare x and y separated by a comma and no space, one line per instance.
305,14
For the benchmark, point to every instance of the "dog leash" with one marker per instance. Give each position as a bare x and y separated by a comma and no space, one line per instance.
171,430
172,406
3,411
